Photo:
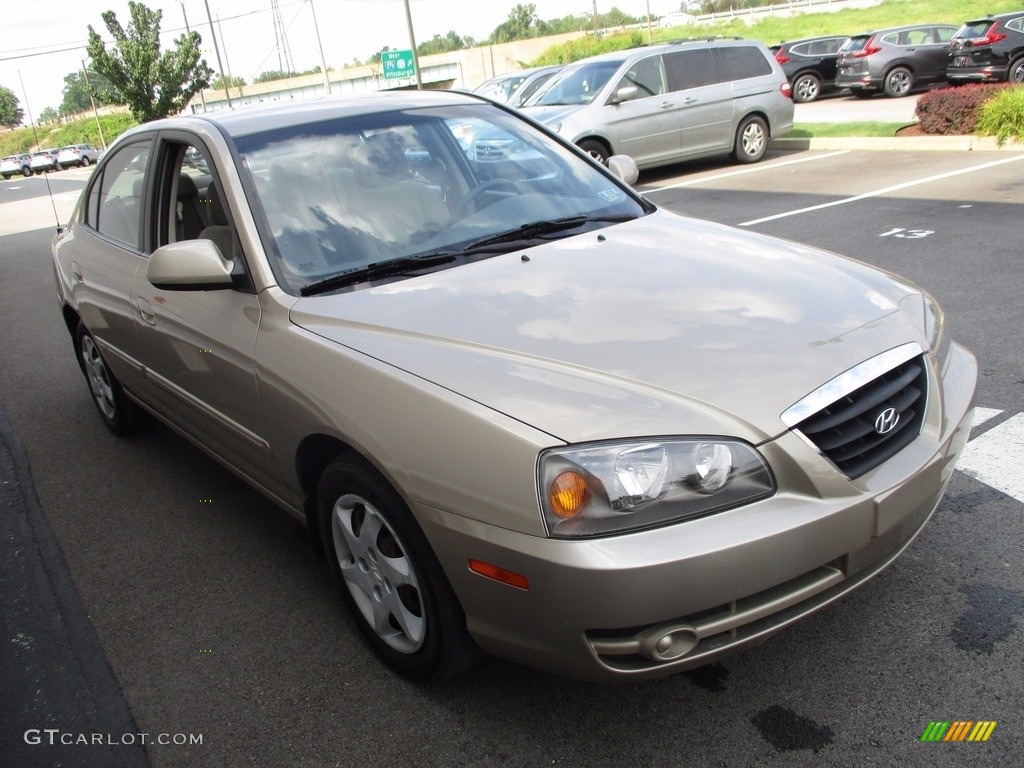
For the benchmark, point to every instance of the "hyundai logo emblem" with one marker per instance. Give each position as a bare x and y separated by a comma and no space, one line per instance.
886,421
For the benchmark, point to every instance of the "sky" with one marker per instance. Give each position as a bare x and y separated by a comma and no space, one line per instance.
41,41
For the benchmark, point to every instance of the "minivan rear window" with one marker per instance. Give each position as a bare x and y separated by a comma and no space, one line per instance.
745,61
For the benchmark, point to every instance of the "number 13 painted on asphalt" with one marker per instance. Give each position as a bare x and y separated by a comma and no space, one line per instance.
908,234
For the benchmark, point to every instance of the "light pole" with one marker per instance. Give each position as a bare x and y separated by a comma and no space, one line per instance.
202,96
412,42
320,45
95,112
216,49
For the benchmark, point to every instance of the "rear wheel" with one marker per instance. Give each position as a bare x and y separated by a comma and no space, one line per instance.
751,140
85,162
806,88
121,415
390,579
1015,74
899,82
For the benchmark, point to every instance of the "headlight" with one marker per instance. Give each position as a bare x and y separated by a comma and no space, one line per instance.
928,316
604,488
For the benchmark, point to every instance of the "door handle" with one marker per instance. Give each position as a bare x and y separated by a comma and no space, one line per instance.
146,311
665,105
690,100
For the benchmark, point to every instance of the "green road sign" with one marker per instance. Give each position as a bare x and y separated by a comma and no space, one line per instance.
397,64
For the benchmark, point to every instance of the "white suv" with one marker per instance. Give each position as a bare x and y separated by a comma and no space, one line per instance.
78,154
16,164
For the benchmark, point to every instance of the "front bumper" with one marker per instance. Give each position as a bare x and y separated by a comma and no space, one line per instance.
660,601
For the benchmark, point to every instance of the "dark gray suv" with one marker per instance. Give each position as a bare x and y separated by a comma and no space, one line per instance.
895,60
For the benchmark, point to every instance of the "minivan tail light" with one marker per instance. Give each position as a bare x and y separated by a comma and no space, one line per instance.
868,49
787,91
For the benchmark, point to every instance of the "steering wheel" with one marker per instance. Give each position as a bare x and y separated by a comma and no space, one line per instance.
471,198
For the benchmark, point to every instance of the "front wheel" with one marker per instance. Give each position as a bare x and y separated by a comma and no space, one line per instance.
899,82
751,140
121,415
390,579
597,151
84,163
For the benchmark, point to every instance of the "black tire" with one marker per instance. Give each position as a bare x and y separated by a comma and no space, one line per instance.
597,151
121,415
751,140
1015,72
806,88
26,172
6,176
899,81
84,163
372,541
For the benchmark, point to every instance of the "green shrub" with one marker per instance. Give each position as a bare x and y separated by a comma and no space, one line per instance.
1003,116
954,110
584,47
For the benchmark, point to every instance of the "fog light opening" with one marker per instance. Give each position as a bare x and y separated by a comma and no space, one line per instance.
669,644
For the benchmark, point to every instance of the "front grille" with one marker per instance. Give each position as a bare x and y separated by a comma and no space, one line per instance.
852,432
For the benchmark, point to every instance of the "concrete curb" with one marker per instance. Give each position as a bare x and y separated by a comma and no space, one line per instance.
905,144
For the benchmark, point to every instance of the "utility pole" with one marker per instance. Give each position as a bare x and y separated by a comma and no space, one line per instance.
95,112
202,96
216,48
412,42
320,45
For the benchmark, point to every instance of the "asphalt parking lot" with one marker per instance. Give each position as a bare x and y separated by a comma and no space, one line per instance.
216,620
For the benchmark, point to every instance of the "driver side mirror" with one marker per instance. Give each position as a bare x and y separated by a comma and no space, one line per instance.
624,93
189,265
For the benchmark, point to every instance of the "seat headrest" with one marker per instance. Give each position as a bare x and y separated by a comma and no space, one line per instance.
214,206
187,186
380,160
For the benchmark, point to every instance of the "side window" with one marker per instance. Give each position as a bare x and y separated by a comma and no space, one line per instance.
895,38
114,206
805,49
745,61
1017,25
647,76
944,34
920,37
690,69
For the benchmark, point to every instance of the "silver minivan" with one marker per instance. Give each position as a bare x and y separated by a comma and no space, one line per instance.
666,103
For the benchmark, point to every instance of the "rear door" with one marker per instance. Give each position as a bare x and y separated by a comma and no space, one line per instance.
705,101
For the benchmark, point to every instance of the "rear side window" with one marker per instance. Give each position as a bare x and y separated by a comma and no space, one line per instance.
745,61
855,44
114,206
944,34
690,69
825,47
1017,25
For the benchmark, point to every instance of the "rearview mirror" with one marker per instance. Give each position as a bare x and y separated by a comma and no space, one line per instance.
191,265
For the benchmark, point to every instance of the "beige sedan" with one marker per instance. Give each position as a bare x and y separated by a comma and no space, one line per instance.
521,409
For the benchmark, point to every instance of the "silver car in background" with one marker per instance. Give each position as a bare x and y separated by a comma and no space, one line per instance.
667,103
515,88
520,408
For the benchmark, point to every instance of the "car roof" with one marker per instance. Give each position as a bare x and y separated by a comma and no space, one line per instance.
904,28
812,39
995,17
247,120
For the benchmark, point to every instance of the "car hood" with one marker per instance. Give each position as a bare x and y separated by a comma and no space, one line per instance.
550,115
663,325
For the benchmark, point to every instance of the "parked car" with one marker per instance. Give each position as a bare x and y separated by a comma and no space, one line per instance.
514,88
895,60
13,164
45,160
810,65
666,103
525,412
989,49
81,155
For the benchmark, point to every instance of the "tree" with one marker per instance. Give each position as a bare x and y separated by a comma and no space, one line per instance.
49,115
76,92
233,82
10,113
153,85
522,23
450,42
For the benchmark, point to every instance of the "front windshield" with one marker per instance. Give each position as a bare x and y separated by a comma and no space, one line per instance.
578,85
351,193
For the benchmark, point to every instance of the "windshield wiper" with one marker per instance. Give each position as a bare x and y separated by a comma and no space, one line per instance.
541,228
401,266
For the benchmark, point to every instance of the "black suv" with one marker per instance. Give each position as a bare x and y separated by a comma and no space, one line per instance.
810,65
988,50
895,60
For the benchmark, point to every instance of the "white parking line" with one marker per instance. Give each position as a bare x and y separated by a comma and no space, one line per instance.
981,415
885,190
997,458
751,169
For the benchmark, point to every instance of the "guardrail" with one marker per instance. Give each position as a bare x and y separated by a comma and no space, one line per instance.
776,9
